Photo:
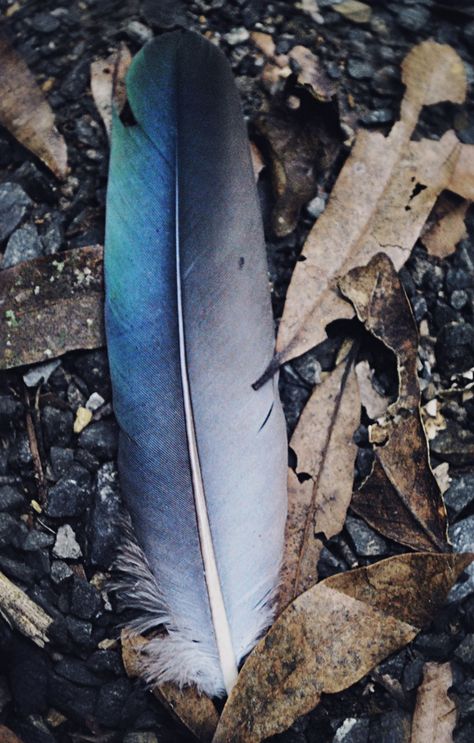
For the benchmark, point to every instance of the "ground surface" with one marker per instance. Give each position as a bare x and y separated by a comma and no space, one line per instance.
81,676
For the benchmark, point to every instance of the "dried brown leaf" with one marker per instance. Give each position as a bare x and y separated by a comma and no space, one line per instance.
381,304
311,74
195,711
8,736
25,112
303,141
447,228
401,497
380,202
51,305
317,505
331,636
434,718
108,83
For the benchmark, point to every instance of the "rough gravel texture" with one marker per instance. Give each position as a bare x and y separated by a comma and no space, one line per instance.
78,688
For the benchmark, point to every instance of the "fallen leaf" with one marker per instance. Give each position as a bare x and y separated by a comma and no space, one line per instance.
303,142
374,403
331,636
381,304
196,711
443,478
434,718
51,305
401,497
26,114
8,736
108,83
311,74
320,490
380,202
447,227
264,42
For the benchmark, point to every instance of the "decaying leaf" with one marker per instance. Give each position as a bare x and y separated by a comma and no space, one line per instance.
380,202
447,226
380,303
8,736
108,83
374,403
320,490
311,74
401,497
51,305
331,636
434,718
195,711
303,142
25,112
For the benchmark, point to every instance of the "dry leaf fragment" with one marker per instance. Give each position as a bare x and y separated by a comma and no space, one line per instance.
317,505
26,114
195,711
434,718
22,613
108,83
8,736
401,497
447,228
331,636
380,202
51,305
374,403
311,74
381,304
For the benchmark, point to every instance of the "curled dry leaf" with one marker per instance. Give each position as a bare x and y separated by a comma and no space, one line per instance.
303,142
320,490
331,636
25,112
381,304
22,613
51,305
374,403
434,718
108,83
195,711
447,226
380,202
401,497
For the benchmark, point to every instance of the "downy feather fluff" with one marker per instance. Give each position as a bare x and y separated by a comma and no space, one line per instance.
202,456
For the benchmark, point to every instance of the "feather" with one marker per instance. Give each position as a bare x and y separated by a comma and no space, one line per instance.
202,456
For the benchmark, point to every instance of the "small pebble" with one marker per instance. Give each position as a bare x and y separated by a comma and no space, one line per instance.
95,402
23,245
45,23
237,36
60,571
83,418
66,545
459,298
40,373
14,203
360,69
139,32
10,499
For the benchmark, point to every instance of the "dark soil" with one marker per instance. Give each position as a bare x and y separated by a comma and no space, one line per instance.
77,689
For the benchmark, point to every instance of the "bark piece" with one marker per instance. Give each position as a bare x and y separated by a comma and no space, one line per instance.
51,305
22,613
25,112
331,636
317,504
434,718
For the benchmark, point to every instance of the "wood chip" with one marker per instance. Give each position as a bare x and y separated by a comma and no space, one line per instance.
22,613
25,112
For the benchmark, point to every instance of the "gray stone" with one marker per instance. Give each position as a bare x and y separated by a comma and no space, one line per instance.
66,545
10,499
465,651
413,19
23,245
103,530
236,36
14,203
360,69
139,32
460,493
391,727
37,540
60,571
461,536
71,494
61,460
367,543
140,737
458,299
40,373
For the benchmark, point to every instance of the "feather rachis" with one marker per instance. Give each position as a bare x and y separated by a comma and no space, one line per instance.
228,341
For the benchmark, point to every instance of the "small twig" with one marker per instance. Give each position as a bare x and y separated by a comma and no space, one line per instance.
35,452
22,613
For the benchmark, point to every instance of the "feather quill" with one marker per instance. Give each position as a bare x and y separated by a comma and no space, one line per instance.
202,456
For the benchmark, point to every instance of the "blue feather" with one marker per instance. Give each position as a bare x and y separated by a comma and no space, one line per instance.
202,456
